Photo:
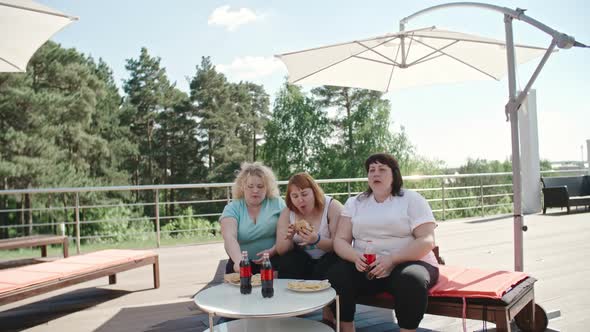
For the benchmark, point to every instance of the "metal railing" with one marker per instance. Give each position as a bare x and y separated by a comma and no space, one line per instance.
450,196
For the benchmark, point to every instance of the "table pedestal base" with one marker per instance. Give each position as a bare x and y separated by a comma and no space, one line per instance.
291,324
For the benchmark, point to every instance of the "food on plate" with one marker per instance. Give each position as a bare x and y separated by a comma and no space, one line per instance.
309,285
234,278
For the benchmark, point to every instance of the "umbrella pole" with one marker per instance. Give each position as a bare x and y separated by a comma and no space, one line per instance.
512,110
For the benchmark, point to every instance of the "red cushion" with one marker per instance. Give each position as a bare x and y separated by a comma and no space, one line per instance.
474,283
29,275
470,283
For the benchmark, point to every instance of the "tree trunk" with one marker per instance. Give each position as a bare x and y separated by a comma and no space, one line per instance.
348,118
348,107
254,145
149,175
29,213
136,177
171,206
210,152
66,221
4,215
21,206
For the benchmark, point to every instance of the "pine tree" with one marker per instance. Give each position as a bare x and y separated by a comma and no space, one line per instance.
147,90
219,122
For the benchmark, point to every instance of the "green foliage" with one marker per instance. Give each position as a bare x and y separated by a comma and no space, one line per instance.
213,98
362,127
187,226
148,93
118,224
296,134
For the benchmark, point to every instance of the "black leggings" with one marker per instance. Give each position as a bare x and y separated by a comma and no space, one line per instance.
408,283
297,264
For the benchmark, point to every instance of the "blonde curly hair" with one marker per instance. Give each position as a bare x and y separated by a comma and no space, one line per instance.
257,169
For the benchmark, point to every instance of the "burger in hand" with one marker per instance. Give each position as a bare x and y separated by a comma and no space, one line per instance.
301,225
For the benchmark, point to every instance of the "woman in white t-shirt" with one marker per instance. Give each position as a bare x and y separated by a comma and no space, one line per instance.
400,227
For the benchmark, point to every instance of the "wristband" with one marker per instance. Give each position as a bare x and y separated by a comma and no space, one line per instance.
318,240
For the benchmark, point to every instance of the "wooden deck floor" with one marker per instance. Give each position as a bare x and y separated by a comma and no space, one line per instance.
556,250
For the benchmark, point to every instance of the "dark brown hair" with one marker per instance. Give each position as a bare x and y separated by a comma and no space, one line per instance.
391,162
304,181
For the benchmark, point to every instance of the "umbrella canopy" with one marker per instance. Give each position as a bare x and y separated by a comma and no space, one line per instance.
24,26
404,59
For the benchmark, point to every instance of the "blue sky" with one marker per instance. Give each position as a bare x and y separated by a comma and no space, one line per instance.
446,122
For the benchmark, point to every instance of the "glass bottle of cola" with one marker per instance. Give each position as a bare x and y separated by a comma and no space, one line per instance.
245,274
266,274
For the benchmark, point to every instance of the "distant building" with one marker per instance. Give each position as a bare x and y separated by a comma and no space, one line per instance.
568,164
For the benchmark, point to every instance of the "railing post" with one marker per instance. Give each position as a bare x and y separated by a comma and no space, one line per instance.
443,198
157,212
481,196
228,194
348,186
77,216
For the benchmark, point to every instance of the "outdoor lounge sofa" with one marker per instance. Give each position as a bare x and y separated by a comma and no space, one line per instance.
30,280
566,191
517,303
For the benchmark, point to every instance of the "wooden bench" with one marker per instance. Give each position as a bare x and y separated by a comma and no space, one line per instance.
26,281
517,304
36,241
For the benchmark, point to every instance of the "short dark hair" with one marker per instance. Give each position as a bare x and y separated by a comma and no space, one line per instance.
391,162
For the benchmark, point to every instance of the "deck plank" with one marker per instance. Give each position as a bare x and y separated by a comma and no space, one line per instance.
554,247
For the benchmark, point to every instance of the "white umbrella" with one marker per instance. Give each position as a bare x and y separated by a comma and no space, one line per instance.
429,56
404,59
24,26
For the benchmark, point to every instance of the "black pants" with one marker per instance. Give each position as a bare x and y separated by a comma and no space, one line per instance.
408,283
274,260
297,264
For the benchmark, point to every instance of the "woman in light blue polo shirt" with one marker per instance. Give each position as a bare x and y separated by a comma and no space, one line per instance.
249,222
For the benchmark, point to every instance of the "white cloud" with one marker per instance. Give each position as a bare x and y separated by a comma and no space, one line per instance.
232,19
251,67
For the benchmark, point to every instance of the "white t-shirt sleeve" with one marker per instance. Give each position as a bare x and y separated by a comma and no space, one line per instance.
419,210
349,209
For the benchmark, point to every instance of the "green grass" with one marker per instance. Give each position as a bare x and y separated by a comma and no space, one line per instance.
146,243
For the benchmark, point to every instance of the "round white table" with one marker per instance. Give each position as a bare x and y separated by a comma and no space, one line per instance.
225,300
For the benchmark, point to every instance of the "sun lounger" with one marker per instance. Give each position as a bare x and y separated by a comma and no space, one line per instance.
26,281
36,241
494,296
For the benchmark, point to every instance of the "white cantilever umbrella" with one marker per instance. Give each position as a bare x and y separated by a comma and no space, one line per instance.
24,26
404,59
429,56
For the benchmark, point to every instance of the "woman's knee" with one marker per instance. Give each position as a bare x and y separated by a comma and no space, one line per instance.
292,265
324,265
412,276
339,274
